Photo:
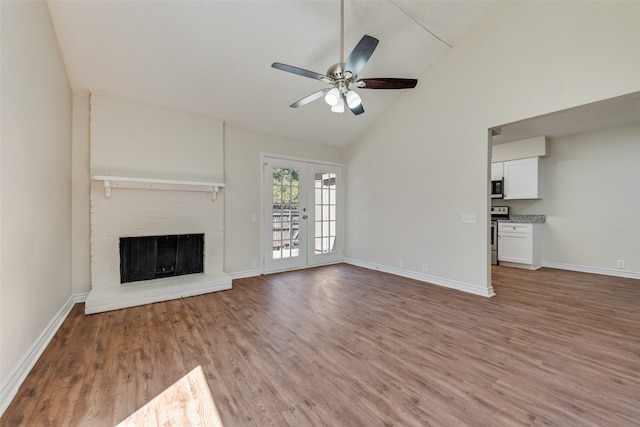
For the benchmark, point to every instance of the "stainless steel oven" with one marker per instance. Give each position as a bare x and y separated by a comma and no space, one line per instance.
494,242
497,213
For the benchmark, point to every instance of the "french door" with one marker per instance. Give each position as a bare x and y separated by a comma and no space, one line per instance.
302,219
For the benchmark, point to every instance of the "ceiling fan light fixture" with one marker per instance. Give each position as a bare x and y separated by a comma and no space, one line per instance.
339,107
353,99
333,97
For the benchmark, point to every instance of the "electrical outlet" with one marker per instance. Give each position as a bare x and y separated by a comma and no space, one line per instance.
254,263
254,218
425,267
620,263
401,263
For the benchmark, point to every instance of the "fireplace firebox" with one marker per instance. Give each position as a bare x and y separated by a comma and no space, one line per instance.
155,257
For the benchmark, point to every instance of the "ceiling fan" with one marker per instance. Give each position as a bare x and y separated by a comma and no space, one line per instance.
343,76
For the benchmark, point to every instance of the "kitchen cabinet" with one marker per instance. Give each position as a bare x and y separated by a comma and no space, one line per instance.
497,171
520,245
523,179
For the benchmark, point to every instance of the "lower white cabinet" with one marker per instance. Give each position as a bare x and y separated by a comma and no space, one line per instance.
520,245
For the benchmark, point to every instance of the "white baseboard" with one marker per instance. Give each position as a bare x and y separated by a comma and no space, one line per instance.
257,272
592,270
12,383
243,274
519,265
78,298
435,280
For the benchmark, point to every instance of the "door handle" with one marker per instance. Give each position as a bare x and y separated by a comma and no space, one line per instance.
304,217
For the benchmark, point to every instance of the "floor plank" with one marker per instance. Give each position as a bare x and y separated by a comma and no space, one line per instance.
341,345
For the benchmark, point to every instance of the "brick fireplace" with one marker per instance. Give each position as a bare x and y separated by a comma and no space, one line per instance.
155,172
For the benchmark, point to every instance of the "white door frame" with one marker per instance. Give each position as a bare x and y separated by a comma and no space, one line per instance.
312,259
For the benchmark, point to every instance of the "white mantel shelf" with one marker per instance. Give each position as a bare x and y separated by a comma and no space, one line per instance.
157,184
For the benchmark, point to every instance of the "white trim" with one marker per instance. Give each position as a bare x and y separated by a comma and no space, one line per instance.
305,267
434,280
518,265
258,272
592,270
80,298
12,383
244,274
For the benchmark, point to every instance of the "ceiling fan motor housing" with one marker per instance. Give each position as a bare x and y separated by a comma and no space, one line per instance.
341,78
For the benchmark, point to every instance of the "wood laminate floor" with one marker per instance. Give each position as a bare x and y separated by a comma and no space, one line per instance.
345,346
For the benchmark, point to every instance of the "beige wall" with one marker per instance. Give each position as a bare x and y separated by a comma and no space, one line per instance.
427,162
80,188
242,176
35,262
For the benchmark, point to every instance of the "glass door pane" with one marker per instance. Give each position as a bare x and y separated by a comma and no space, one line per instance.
326,231
286,212
325,208
285,230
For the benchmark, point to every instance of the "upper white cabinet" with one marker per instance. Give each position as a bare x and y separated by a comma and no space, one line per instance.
522,178
497,171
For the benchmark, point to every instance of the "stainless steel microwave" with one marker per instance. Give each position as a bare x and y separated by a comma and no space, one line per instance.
497,189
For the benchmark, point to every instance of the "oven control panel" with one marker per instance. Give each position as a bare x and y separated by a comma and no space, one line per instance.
499,212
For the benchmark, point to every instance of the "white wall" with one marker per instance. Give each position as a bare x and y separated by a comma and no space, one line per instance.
591,186
242,175
35,262
427,162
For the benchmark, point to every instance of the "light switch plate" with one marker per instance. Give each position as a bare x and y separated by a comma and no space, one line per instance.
468,218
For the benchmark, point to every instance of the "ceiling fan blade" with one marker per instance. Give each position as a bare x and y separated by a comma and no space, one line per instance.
301,72
359,109
310,98
388,83
360,54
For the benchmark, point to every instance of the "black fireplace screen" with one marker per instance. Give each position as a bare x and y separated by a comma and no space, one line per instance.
154,257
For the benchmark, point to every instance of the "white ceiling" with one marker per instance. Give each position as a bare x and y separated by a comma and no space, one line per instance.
214,57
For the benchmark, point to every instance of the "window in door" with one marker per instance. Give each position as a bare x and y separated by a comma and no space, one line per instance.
286,212
325,212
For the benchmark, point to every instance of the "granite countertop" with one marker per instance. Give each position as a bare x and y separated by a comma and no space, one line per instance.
534,219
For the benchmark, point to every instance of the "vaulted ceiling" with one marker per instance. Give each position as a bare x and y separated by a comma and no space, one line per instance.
214,57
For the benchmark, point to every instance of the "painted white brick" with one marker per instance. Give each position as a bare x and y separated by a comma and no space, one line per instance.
130,139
